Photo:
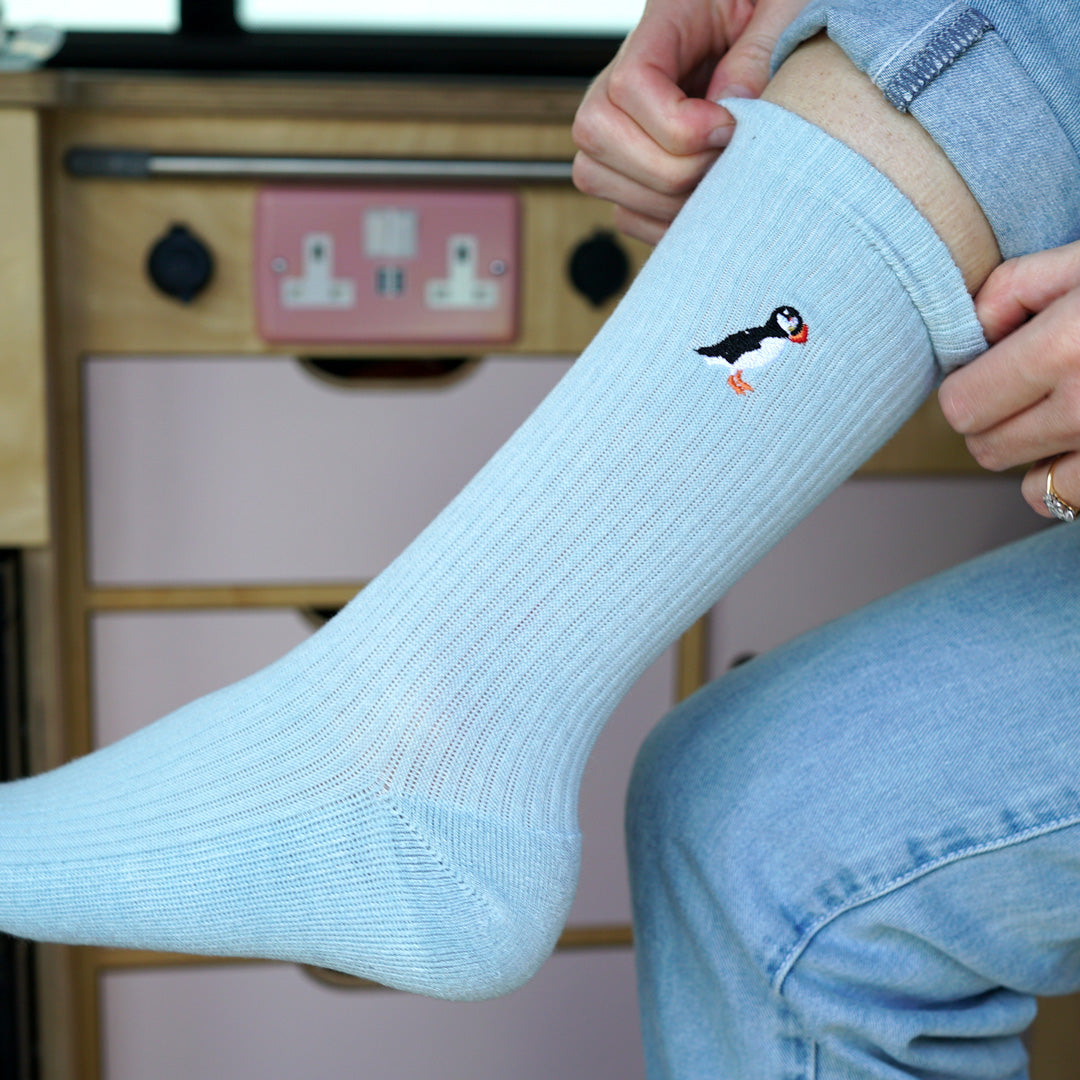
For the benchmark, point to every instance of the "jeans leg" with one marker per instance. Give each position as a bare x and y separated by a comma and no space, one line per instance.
996,83
859,856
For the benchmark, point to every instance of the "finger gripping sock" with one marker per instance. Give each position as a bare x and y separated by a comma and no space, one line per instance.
396,798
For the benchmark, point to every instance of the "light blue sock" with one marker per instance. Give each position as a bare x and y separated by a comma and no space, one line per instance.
396,798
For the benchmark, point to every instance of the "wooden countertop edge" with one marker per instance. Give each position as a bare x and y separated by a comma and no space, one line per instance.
534,101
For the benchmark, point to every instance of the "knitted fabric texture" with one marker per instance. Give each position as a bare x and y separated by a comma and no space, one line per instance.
396,798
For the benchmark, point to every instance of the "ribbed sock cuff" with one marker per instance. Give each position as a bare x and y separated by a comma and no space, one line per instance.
883,214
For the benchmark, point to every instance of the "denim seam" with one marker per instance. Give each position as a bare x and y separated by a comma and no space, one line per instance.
791,957
875,75
941,49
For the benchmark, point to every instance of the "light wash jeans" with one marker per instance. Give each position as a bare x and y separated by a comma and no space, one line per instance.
997,85
859,856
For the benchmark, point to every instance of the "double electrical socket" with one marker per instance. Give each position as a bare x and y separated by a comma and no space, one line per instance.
386,265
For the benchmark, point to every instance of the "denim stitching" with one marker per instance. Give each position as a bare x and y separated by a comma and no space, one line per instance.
788,960
884,65
940,50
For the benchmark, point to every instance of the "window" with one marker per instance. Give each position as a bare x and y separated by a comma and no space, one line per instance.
602,17
472,38
156,15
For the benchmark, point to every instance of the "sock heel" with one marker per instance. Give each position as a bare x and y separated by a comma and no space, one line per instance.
520,883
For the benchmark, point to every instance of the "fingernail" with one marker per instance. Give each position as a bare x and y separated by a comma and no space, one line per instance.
721,136
735,90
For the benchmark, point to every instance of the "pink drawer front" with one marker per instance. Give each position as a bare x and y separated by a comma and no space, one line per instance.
577,1019
233,471
870,537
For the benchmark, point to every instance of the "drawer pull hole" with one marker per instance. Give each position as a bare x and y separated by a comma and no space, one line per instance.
318,617
388,371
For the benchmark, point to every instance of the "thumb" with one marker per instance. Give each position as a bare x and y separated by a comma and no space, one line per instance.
744,70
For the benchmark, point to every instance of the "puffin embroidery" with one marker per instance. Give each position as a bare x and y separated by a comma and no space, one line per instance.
757,346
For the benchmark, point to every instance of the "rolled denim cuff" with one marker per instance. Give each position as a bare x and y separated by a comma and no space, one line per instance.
947,65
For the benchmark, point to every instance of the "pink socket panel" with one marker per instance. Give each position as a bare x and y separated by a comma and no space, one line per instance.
388,265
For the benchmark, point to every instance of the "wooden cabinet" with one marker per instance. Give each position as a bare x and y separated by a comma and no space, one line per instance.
24,518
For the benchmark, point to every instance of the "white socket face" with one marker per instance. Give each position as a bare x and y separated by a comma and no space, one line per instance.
601,17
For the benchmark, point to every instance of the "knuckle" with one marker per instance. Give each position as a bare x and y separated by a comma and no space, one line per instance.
585,131
953,406
672,179
583,175
756,48
621,84
1059,344
1069,393
985,454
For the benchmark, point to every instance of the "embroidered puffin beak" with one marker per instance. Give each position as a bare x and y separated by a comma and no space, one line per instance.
801,336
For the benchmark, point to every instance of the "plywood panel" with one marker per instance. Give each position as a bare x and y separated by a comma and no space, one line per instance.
115,223
1054,1039
452,100
23,498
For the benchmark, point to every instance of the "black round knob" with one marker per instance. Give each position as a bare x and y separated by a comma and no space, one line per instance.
599,267
180,264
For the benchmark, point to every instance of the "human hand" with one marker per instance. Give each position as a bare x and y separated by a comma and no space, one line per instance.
1020,401
648,129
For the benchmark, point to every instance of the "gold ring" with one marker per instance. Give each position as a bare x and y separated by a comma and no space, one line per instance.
1062,510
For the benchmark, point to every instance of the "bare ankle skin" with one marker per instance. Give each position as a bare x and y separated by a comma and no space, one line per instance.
819,83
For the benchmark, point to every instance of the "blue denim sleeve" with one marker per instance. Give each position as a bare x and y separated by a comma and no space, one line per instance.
997,86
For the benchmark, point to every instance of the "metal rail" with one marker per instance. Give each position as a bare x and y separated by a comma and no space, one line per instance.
146,164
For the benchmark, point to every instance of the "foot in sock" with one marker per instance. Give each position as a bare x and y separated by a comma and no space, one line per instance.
396,798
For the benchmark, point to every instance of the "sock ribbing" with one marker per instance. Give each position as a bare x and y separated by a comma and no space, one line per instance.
397,796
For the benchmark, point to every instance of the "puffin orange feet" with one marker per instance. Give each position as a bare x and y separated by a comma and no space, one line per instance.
738,383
